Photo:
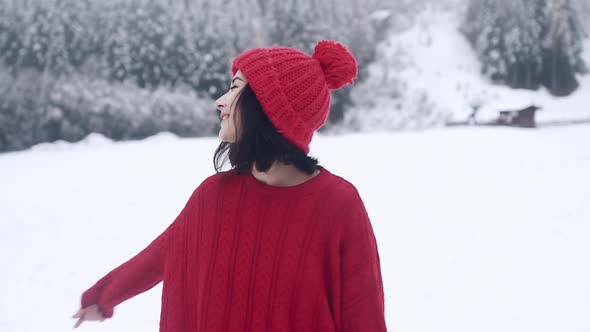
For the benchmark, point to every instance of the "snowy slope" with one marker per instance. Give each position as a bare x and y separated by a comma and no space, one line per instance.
429,74
478,229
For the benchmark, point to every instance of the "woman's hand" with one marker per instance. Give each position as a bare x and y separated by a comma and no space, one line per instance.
91,312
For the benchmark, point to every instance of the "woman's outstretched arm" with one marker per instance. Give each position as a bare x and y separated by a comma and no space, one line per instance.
138,274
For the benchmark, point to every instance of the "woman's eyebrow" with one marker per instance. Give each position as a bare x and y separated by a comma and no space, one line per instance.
236,78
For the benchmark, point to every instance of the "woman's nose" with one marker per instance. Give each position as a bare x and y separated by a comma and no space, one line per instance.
219,104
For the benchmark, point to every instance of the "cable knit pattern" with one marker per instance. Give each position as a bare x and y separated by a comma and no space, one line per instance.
293,88
246,256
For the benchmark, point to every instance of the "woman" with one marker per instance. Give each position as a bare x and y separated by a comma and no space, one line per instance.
276,243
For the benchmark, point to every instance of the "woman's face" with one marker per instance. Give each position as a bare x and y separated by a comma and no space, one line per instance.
226,104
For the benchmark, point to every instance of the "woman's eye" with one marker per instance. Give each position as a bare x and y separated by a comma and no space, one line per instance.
233,86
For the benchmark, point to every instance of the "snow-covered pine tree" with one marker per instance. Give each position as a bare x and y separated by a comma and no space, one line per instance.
211,42
527,43
584,8
10,39
562,46
505,35
117,48
142,32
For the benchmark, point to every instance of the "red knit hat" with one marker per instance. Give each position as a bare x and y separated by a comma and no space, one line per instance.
293,88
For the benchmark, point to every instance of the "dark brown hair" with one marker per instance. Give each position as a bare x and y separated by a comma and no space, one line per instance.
258,142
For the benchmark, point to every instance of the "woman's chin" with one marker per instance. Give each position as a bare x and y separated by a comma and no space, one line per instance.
224,138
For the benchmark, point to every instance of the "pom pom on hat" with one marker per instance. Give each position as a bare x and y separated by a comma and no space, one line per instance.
338,64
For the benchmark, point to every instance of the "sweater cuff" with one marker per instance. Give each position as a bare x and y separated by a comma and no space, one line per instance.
107,312
90,297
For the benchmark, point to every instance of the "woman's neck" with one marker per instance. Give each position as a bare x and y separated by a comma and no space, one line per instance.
282,175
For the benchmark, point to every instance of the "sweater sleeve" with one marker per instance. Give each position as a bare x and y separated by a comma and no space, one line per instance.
135,276
363,300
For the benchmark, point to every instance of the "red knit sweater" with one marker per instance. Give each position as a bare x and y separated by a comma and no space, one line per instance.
246,256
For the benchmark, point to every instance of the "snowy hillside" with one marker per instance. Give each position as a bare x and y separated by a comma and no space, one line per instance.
478,229
429,75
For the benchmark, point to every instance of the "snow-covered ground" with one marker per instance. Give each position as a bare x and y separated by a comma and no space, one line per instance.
479,229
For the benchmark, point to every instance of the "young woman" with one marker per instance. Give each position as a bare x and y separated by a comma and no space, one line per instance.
276,243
